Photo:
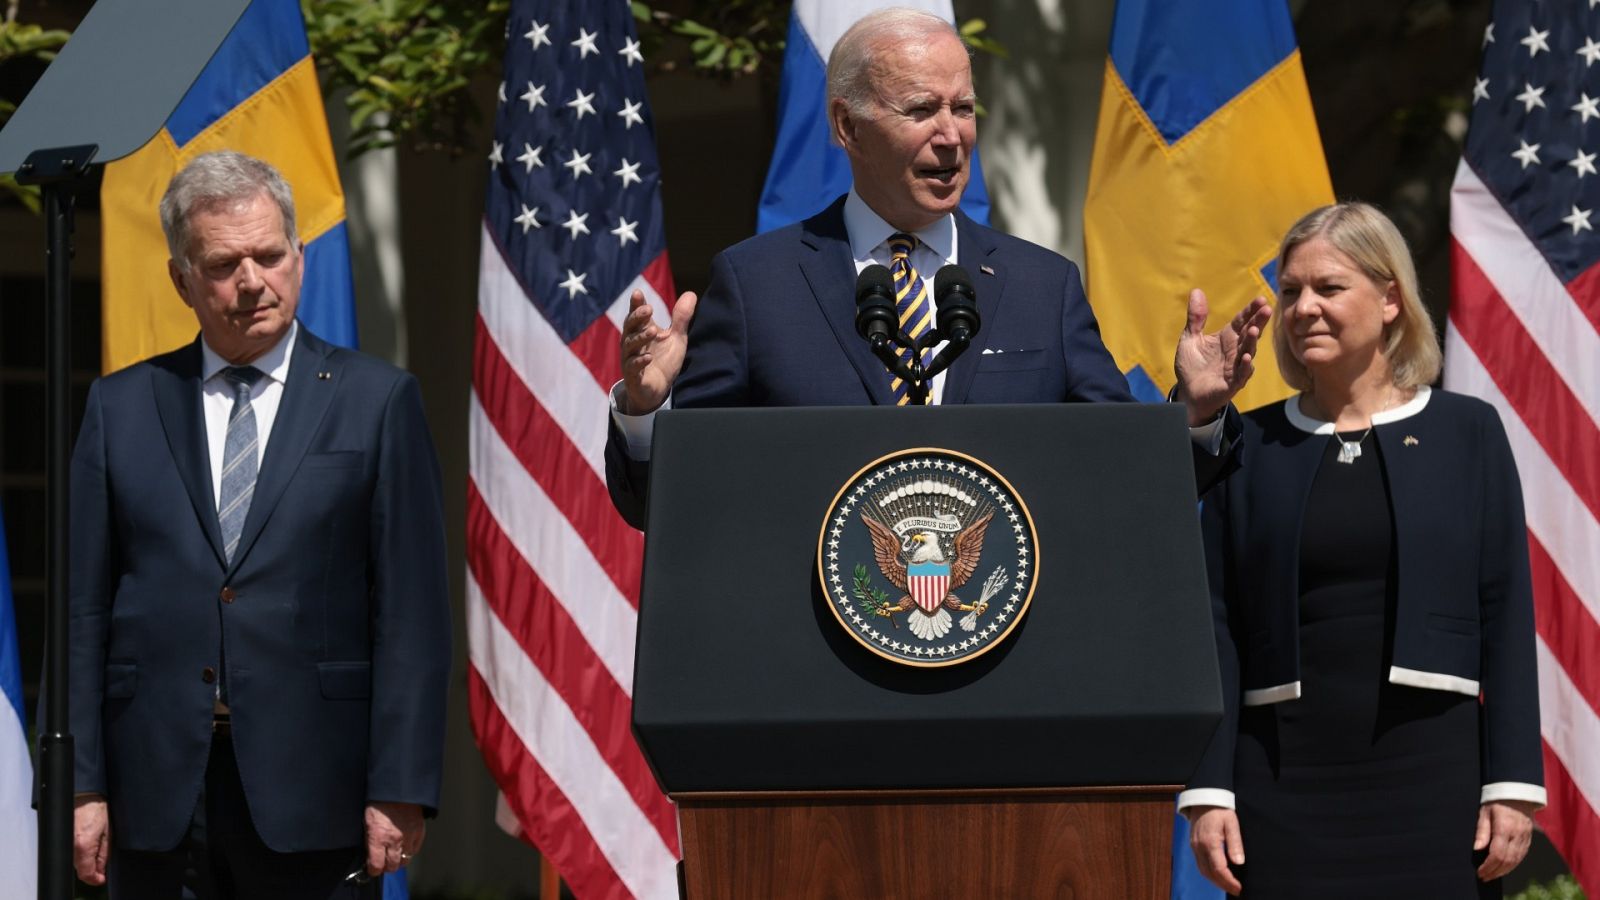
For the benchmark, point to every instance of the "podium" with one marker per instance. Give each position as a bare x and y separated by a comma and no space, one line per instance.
805,765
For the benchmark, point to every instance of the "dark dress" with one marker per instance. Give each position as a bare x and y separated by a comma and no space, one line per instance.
1359,788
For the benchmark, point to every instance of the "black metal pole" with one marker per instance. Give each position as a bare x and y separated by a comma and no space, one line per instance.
55,739
57,172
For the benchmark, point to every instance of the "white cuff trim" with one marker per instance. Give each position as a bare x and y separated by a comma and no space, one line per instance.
1275,694
1205,797
1514,790
637,431
1433,681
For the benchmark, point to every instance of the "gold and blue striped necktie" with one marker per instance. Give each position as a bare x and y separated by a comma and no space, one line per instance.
913,304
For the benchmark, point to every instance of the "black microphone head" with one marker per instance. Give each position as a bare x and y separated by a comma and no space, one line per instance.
874,279
875,303
958,303
953,278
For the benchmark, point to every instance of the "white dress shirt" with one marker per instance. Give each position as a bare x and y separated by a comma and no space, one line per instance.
869,244
216,398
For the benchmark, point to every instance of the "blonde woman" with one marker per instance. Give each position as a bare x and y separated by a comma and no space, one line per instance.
1369,576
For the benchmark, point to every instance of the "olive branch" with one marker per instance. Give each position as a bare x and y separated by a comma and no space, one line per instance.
872,599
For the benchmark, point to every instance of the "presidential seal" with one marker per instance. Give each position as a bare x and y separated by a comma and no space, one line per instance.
928,557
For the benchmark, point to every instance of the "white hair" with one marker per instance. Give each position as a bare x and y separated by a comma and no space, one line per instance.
850,63
215,180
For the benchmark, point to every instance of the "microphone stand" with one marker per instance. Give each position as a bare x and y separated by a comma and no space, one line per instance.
954,347
916,377
875,320
883,347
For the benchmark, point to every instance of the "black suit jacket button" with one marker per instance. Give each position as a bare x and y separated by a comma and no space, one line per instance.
208,675
227,595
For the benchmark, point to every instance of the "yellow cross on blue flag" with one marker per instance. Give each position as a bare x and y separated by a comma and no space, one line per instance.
258,95
1205,153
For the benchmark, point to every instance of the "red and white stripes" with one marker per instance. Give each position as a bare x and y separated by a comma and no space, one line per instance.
552,594
1530,345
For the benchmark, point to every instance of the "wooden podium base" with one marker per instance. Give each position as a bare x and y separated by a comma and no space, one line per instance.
1108,842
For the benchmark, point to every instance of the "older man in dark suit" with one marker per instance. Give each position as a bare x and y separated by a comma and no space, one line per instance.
776,326
260,614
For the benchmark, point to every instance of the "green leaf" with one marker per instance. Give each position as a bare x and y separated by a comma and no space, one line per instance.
994,48
27,194
352,64
972,35
360,114
691,27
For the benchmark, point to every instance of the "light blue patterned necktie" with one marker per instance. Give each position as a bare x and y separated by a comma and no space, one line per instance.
239,458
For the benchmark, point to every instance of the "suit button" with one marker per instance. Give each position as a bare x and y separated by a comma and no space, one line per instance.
208,675
227,595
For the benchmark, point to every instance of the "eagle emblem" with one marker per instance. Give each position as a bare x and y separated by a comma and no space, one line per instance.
912,554
926,519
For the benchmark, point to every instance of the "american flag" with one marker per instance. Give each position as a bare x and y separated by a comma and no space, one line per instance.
572,226
1524,334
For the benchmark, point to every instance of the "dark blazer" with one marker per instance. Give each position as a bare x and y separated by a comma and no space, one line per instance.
776,327
1464,617
334,614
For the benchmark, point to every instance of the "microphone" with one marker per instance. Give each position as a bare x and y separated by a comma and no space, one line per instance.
958,306
875,314
957,318
879,323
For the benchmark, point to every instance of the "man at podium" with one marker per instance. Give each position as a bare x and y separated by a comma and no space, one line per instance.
778,328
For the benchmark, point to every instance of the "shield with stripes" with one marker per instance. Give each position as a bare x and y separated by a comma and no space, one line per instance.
928,583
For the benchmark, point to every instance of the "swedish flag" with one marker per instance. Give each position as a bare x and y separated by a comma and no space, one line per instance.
258,95
1205,153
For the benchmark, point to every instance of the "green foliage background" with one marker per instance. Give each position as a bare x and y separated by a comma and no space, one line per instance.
21,41
405,68
1563,888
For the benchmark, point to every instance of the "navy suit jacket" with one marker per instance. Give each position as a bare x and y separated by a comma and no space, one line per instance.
1464,613
332,621
776,327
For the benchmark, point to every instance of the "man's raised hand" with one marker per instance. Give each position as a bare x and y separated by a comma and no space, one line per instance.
652,356
1211,368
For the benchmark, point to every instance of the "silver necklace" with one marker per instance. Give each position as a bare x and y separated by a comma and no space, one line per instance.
1349,450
